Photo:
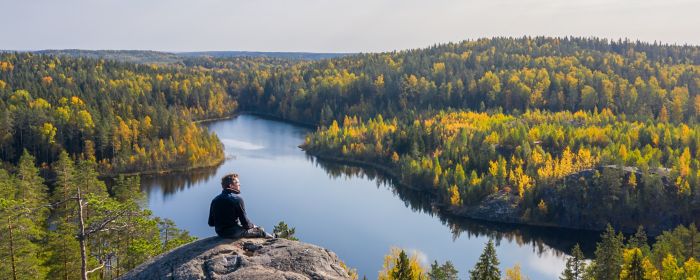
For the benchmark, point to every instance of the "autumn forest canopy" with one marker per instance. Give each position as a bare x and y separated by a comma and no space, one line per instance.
571,132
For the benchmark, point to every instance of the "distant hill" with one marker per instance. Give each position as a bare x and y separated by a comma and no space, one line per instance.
135,56
149,57
287,55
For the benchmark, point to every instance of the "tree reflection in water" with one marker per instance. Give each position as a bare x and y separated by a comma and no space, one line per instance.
177,181
557,241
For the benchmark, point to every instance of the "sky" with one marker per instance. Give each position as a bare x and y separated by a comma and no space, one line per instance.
330,25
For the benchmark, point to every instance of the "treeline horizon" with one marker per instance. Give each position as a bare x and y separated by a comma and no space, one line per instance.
151,55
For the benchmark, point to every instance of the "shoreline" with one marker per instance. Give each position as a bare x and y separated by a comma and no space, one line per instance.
218,162
181,168
163,171
227,117
458,212
462,212
385,170
277,118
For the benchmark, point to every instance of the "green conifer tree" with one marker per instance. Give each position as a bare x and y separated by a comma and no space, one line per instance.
487,267
403,269
446,271
575,265
63,255
639,240
20,231
608,255
282,230
636,270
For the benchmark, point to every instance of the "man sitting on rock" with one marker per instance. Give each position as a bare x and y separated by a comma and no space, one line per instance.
227,212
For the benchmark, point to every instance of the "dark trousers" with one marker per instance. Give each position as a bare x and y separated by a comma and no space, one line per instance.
239,232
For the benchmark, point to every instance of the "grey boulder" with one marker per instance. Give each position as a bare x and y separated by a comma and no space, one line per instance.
254,258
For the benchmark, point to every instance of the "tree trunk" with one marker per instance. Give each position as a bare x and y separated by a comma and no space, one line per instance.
81,239
165,243
118,257
12,249
692,243
65,261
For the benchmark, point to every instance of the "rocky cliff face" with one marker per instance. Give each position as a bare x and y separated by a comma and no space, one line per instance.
218,258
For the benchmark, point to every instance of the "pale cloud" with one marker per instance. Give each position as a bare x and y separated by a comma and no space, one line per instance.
547,264
420,256
330,25
241,145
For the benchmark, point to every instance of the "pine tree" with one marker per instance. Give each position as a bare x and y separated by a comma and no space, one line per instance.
446,271
282,230
19,232
635,269
575,265
639,240
691,240
397,265
31,214
171,236
436,271
487,267
608,255
63,258
403,268
138,239
137,236
31,189
85,215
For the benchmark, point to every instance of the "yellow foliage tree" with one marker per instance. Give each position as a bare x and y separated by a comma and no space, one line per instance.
455,199
514,273
395,157
650,271
670,269
692,269
392,265
542,207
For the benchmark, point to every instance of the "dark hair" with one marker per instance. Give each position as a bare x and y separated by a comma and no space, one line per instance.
228,180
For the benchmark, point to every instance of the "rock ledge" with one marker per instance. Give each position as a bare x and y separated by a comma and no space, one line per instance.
218,258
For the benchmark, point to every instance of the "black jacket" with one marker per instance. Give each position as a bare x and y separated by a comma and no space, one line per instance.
228,210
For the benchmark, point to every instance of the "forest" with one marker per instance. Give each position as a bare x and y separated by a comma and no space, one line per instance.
569,132
131,117
571,169
65,124
80,229
547,126
639,80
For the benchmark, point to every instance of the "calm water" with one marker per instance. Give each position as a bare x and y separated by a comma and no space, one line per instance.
356,213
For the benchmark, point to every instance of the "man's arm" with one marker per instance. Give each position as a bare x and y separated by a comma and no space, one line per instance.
211,214
242,216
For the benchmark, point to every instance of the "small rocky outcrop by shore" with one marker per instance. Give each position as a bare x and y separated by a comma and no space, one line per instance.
255,258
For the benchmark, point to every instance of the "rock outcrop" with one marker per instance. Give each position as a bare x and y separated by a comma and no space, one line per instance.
218,258
497,207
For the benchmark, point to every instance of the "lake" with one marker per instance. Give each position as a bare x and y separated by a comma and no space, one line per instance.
357,213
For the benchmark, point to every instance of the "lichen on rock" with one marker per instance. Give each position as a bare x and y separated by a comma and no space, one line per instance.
219,258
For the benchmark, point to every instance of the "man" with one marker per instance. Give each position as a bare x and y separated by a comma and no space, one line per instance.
227,212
